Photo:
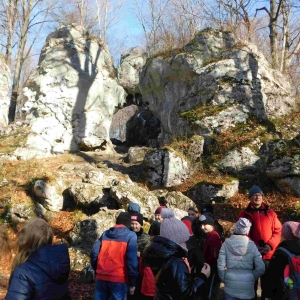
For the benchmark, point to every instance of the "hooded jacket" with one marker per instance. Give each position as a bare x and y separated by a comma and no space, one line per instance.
265,226
173,280
274,286
43,276
237,257
114,256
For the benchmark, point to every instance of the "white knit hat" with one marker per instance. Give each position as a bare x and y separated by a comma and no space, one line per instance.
242,226
172,228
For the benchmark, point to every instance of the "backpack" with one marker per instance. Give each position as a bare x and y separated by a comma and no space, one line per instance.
294,264
87,275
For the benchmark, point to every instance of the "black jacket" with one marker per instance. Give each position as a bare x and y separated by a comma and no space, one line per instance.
274,287
173,280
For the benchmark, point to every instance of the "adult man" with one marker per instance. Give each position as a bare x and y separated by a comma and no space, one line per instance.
265,231
114,259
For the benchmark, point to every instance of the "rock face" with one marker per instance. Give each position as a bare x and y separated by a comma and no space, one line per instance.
215,83
4,93
72,96
132,61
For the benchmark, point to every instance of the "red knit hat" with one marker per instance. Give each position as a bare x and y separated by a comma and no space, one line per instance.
188,222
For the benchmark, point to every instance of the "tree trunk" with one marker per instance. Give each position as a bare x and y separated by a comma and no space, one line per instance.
26,9
274,34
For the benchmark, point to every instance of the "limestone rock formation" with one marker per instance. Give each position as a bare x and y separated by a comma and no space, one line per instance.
72,95
132,62
4,93
215,83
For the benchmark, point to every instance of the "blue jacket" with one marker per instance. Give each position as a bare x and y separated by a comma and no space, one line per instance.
43,276
114,256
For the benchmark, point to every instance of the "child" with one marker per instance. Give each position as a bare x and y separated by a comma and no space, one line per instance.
240,263
40,269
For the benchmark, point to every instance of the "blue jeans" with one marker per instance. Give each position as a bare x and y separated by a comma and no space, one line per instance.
227,297
106,290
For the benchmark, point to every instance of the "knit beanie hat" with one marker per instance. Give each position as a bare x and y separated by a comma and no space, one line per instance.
254,190
242,226
137,217
188,223
134,207
172,228
158,210
290,230
124,218
206,219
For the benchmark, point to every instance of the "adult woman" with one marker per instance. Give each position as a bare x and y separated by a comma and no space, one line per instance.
165,256
40,270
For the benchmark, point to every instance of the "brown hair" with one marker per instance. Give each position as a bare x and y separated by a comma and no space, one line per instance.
36,234
194,209
5,249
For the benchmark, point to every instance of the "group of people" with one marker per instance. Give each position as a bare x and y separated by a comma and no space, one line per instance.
176,259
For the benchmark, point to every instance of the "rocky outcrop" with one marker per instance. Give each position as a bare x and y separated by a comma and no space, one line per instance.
282,163
137,154
215,83
132,61
72,95
4,93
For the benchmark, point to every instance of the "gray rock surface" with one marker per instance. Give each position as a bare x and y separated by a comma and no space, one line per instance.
214,84
72,95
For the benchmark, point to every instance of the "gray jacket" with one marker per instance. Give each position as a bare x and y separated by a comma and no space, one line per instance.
236,259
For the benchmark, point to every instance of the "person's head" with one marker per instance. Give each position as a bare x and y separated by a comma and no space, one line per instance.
255,196
136,222
207,208
36,234
162,201
124,218
193,213
242,226
157,214
134,208
290,231
206,222
188,223
172,228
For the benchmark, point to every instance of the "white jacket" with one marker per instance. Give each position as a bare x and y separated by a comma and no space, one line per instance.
237,258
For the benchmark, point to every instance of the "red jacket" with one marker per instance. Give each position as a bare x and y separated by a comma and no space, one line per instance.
265,226
211,249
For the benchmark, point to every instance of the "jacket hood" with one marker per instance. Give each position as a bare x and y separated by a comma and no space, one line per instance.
291,245
264,207
238,244
116,232
161,250
52,260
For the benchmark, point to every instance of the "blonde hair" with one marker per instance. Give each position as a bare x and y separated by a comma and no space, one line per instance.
36,234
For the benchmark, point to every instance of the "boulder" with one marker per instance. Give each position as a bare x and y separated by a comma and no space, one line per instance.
50,198
179,201
204,193
5,79
136,154
119,125
85,233
125,194
166,168
239,160
71,96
